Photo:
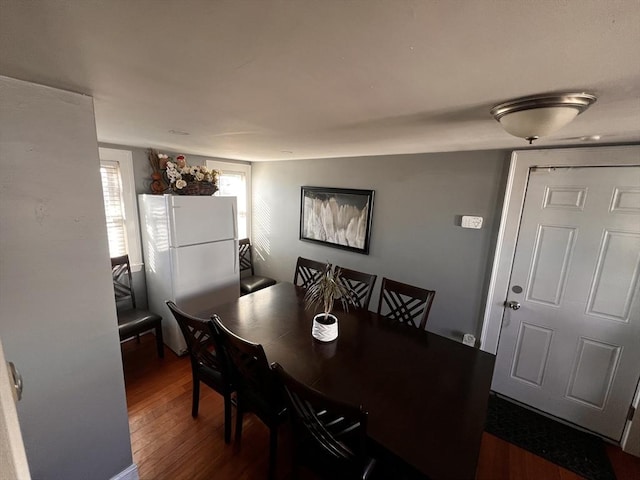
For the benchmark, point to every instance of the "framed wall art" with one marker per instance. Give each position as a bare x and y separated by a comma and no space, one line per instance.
336,217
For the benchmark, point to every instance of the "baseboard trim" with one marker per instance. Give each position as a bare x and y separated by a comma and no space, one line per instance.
129,473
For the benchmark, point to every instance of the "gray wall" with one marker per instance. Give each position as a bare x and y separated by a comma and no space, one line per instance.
57,314
416,235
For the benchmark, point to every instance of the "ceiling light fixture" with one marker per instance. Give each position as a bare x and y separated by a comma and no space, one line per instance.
539,115
591,138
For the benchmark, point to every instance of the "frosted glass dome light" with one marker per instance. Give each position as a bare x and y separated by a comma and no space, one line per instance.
540,115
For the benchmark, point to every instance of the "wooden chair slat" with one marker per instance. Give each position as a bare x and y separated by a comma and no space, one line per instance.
307,272
405,303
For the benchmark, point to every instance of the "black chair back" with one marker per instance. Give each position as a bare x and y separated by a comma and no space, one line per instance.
249,369
250,283
359,284
131,320
307,272
122,280
246,257
257,390
200,341
208,362
329,436
405,303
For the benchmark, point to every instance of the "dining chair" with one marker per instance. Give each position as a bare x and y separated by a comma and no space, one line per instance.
359,284
405,303
208,364
307,272
329,436
132,321
250,283
256,387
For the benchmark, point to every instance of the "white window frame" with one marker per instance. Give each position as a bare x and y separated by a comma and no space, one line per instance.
125,161
244,168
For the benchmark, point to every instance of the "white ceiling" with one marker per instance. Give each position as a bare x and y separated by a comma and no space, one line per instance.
267,79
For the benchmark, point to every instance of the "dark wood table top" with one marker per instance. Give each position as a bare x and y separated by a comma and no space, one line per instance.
426,395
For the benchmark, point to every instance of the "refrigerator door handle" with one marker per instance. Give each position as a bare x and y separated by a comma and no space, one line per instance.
235,237
235,257
233,219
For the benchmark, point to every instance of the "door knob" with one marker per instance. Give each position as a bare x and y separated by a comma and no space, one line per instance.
512,304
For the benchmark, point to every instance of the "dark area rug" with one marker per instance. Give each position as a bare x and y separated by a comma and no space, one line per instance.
572,449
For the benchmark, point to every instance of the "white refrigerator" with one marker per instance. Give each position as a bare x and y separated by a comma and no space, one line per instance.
190,246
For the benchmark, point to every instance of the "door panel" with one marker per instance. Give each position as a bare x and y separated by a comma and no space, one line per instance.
532,351
573,348
553,249
626,200
616,278
595,365
567,198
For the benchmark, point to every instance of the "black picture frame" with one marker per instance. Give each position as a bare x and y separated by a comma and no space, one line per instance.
319,208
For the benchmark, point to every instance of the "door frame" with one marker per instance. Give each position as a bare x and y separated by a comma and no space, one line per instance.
14,457
521,162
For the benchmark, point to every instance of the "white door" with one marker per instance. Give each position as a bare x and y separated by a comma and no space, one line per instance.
572,349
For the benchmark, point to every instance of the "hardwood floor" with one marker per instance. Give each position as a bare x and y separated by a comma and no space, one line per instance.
169,444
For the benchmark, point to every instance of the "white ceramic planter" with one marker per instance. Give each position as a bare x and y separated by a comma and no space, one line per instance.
325,327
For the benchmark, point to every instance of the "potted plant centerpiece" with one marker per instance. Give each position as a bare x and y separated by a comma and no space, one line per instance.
324,292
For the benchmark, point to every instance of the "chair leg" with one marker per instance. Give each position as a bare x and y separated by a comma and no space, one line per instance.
295,464
159,341
227,418
295,469
196,396
273,451
239,418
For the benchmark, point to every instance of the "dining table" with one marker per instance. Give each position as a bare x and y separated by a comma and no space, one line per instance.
426,394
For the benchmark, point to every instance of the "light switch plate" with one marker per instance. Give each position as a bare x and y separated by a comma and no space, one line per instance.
471,222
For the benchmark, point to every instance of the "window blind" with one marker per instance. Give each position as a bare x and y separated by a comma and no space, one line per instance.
114,207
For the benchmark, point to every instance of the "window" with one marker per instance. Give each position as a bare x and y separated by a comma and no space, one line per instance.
235,181
113,207
116,171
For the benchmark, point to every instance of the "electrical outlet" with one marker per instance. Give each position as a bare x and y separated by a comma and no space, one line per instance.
471,222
